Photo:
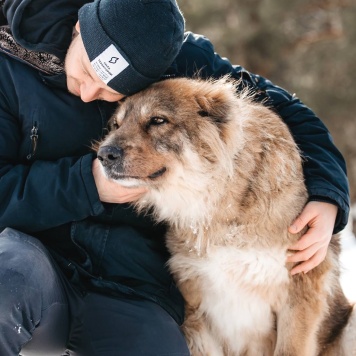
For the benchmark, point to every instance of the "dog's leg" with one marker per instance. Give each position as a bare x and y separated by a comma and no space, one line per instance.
196,327
299,320
200,340
297,333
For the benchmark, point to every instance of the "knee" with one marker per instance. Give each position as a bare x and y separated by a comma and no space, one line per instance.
25,265
20,256
18,263
31,295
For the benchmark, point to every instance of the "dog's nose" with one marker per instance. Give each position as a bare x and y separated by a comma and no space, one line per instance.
109,154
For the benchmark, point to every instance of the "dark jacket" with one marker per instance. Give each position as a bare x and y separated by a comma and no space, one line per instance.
46,184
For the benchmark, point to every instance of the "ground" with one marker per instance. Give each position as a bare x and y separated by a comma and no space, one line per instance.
348,263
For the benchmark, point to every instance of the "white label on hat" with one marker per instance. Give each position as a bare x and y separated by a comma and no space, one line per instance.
109,64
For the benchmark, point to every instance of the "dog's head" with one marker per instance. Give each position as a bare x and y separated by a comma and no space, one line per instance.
167,131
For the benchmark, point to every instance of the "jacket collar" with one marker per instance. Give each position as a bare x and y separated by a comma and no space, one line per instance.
45,62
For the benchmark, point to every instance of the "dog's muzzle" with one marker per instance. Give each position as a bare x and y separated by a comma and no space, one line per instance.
111,157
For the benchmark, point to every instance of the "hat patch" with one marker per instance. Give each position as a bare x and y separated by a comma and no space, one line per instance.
109,63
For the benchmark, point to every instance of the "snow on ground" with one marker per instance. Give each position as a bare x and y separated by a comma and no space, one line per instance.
348,262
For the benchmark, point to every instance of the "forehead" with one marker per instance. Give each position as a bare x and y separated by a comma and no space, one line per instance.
148,103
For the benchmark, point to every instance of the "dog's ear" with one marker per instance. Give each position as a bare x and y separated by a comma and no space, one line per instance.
214,101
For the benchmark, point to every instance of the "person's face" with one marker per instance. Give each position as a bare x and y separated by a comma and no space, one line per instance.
81,78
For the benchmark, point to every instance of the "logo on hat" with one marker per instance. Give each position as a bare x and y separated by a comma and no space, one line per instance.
113,60
109,63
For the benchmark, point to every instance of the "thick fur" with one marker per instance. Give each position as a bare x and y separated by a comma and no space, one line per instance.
225,174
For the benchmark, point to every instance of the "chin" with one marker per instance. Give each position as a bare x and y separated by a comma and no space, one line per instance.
130,182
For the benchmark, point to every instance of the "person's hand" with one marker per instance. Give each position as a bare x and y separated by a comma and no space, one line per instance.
312,247
112,192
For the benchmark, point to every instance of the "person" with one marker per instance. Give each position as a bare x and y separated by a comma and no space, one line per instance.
81,273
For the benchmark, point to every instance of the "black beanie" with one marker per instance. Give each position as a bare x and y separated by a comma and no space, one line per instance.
131,43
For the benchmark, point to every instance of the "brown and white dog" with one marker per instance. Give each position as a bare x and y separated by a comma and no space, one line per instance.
225,174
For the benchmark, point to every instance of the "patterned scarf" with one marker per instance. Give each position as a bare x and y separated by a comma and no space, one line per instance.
47,63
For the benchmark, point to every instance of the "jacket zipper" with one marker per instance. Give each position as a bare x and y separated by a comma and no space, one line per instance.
34,140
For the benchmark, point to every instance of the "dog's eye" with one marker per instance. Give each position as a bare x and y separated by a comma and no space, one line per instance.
203,113
113,126
155,120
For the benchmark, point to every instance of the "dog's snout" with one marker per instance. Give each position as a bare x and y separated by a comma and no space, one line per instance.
107,154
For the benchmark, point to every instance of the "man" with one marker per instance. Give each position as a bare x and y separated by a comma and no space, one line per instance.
80,272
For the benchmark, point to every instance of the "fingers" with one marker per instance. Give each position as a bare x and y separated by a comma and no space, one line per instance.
315,235
304,254
303,219
309,264
310,250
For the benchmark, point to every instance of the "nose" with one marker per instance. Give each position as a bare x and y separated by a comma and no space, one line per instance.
108,155
89,92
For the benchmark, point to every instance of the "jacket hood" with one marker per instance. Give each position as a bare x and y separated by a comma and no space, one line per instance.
43,25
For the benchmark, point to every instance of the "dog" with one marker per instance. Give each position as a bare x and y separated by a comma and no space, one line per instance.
225,174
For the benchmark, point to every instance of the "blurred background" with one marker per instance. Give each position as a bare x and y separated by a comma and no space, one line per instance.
307,46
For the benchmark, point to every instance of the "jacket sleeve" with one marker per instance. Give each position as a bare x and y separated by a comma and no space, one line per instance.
324,167
42,194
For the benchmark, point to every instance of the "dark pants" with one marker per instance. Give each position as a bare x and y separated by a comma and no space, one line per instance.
42,315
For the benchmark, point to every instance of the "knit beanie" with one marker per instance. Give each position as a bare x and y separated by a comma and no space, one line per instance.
131,43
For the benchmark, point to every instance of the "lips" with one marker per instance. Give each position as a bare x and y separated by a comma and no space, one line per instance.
119,176
158,173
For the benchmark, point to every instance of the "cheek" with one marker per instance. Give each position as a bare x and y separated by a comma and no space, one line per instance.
169,146
72,72
171,141
72,64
